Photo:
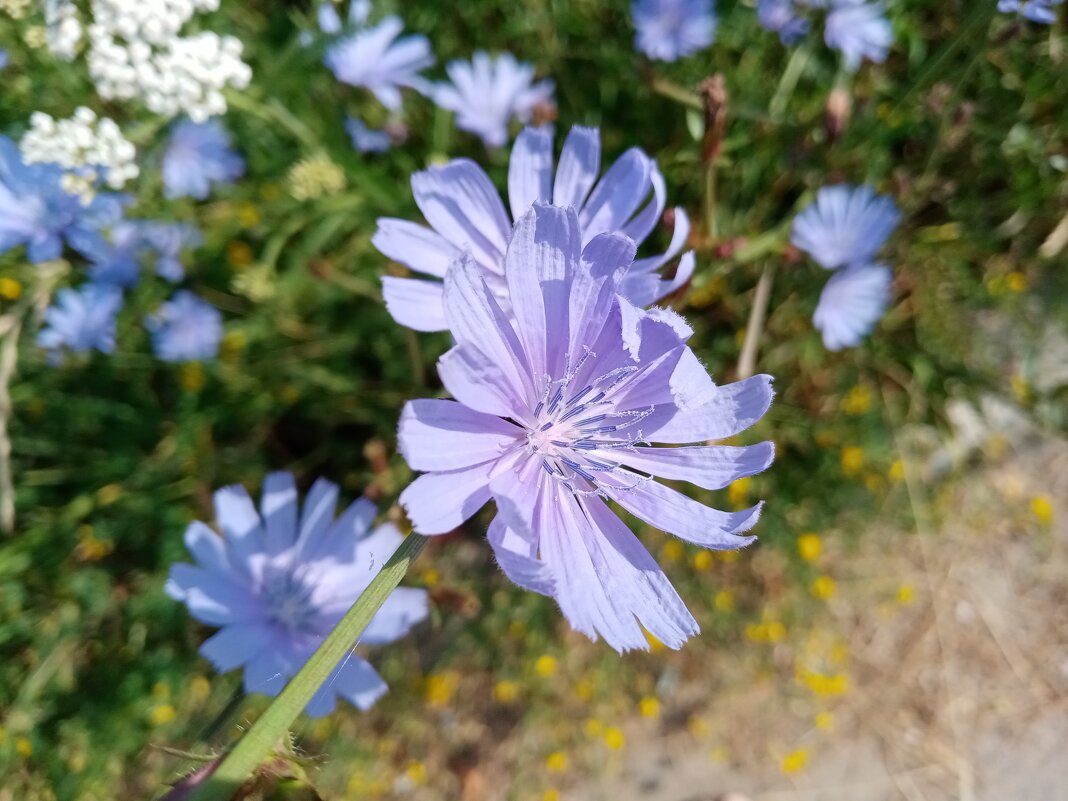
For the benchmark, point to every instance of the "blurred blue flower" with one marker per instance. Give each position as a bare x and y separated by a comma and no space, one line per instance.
367,140
557,409
198,155
845,225
487,92
277,582
81,320
466,215
781,17
37,213
131,241
4,58
377,60
851,303
1034,10
670,29
859,29
185,329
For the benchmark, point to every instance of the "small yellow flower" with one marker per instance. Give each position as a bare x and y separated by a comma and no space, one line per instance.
199,688
439,687
416,772
719,755
897,471
506,692
545,665
857,400
826,439
776,631
905,594
552,794
824,721
738,492
729,557
161,714
594,728
431,577
794,762
823,587
23,747
1021,388
1016,281
874,483
672,551
556,762
698,727
655,646
825,686
810,546
613,738
1042,508
10,289
852,460
517,629
584,690
703,560
724,601
649,707
239,254
248,215
233,343
191,377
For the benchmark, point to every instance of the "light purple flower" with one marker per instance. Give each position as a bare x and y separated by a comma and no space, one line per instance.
277,582
781,17
81,320
466,215
851,304
185,329
198,155
670,29
860,30
556,410
132,241
377,60
1034,10
486,93
4,58
845,225
367,140
37,213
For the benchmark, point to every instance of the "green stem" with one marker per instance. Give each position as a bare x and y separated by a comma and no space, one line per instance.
790,76
273,724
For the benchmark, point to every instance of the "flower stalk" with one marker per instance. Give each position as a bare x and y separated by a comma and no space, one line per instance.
273,725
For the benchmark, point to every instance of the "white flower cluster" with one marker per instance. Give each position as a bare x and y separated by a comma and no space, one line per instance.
88,149
16,9
135,51
63,29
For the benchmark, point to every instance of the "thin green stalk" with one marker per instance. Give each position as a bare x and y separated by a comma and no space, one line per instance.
274,723
788,83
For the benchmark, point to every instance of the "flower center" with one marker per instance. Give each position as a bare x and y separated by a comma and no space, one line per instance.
288,599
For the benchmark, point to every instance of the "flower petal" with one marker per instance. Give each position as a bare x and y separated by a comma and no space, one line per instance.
530,170
414,246
279,508
359,684
517,560
240,524
477,382
708,466
404,608
580,161
207,547
461,204
733,409
269,670
235,645
617,195
437,503
446,435
316,514
212,598
415,304
673,512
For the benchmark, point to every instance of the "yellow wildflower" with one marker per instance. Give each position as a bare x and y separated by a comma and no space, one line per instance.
439,687
728,556
655,646
724,601
584,690
23,747
672,551
698,727
897,471
810,546
1016,281
552,794
10,289
431,577
199,688
1042,508
823,587
613,738
738,492
239,254
161,714
248,215
857,400
825,721
703,560
794,762
556,762
416,772
905,594
649,707
594,728
852,460
506,692
545,665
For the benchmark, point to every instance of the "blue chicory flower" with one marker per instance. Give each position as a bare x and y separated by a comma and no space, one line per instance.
36,212
851,303
4,58
556,410
199,154
377,60
1034,10
860,30
81,320
367,140
781,17
277,582
185,329
131,241
466,215
667,30
845,225
486,93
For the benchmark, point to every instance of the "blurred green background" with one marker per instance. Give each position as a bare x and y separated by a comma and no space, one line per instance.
965,125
